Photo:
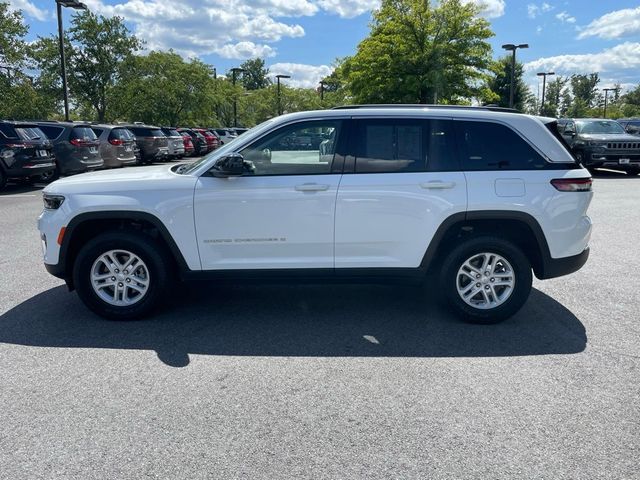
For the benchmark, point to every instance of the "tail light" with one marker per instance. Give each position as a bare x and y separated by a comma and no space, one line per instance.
81,142
116,141
572,184
16,145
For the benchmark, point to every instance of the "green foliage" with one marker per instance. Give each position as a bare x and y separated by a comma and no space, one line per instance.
12,32
161,88
99,47
584,89
499,84
255,75
419,52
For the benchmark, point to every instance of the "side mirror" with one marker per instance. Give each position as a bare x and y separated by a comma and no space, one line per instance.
230,166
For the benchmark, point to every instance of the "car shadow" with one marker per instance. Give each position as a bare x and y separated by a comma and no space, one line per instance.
610,173
296,320
21,188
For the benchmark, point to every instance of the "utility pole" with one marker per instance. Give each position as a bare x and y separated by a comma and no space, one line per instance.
234,72
322,84
544,85
512,48
63,67
606,91
278,77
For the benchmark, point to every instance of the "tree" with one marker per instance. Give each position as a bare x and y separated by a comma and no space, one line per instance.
255,75
161,88
554,100
500,84
12,33
418,53
100,45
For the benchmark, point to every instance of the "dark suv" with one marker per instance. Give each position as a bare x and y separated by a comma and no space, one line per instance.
75,146
116,145
597,142
25,152
631,125
153,143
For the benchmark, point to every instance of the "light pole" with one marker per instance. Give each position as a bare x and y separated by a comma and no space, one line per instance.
322,84
512,47
606,91
278,77
75,4
234,72
544,85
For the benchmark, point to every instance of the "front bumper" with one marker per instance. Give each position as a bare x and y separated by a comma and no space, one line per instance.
603,157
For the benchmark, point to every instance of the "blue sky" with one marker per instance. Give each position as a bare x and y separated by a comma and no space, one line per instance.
304,37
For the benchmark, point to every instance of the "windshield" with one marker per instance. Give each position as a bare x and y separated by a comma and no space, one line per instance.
599,126
223,150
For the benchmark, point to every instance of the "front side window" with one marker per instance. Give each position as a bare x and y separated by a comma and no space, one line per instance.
305,148
492,146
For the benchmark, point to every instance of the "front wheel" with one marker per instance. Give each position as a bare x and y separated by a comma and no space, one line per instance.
121,276
486,279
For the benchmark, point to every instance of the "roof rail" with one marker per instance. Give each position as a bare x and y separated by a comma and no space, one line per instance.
426,105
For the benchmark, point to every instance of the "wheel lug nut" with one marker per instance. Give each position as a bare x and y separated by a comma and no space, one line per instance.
478,276
486,287
113,279
477,284
493,279
128,280
120,284
117,271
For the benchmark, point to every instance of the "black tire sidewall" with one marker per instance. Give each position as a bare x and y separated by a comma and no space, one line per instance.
3,179
149,251
465,250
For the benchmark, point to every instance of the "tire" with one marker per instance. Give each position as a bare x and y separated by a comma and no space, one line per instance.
508,297
3,179
49,176
633,171
150,275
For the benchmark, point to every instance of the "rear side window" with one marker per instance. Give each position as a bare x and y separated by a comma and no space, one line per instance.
30,133
141,132
156,132
8,131
492,146
52,132
82,133
397,146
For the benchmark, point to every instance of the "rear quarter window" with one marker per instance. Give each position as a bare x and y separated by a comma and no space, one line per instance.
52,132
8,131
493,146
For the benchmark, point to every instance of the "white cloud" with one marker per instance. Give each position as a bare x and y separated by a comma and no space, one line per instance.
30,10
302,75
237,29
534,10
565,17
349,8
490,8
621,23
622,57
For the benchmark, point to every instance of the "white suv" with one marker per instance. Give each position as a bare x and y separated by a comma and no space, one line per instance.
481,197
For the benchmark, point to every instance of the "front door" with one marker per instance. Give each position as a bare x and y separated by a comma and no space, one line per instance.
280,214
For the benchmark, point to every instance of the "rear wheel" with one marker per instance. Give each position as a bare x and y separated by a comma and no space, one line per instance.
49,176
486,279
121,276
3,179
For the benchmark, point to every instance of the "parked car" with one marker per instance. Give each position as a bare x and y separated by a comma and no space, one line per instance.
25,152
153,144
75,146
116,145
176,142
188,143
211,138
225,135
199,141
239,130
479,196
631,125
597,142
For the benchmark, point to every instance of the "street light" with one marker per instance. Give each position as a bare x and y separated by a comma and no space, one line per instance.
234,72
322,84
606,91
544,84
76,6
278,77
512,47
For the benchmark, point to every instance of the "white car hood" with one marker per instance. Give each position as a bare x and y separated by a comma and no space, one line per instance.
125,179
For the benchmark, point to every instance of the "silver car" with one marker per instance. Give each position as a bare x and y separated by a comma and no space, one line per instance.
176,142
116,145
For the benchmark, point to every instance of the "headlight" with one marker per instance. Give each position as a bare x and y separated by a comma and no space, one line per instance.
52,202
596,144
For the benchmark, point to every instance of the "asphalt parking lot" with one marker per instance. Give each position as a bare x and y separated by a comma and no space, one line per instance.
313,381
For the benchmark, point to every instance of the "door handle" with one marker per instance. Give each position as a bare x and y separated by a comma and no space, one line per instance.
437,185
312,187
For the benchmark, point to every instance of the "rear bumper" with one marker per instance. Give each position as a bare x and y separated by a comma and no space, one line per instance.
28,170
558,267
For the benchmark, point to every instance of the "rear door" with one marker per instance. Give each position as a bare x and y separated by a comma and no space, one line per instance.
402,180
